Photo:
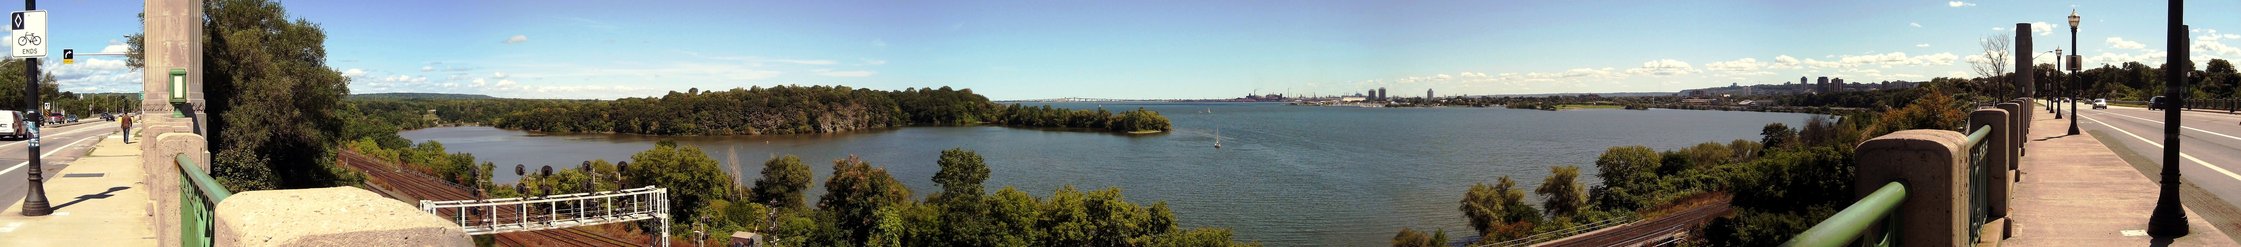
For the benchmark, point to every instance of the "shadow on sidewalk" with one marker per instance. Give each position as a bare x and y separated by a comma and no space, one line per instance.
102,195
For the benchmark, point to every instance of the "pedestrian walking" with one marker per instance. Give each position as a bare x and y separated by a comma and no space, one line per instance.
126,123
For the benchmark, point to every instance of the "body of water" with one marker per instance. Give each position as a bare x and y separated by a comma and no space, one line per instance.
1285,175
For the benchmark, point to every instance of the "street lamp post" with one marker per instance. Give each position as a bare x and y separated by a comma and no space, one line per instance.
2169,218
2073,63
2056,102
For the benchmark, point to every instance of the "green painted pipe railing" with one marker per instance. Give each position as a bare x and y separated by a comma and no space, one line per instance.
198,199
1855,220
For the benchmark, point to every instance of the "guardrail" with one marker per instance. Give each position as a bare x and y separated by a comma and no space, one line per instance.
1933,158
199,199
1559,234
1854,221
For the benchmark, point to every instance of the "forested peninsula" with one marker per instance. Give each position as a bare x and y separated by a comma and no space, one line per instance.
751,111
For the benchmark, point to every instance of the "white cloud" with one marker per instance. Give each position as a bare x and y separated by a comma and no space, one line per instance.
1922,45
2120,43
499,75
1738,65
845,73
1915,24
517,39
1468,74
353,72
427,68
874,62
2042,28
116,47
1958,4
1663,67
94,75
1784,62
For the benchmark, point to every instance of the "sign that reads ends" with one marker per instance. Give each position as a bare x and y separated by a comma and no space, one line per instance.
28,34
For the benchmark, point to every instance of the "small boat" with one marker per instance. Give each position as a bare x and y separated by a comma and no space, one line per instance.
1217,138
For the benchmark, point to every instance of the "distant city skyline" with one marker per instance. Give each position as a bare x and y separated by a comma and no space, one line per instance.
1158,49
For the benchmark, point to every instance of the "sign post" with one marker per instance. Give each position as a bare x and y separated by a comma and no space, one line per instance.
28,31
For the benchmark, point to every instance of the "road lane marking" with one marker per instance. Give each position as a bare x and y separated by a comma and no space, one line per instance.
2160,145
58,134
20,165
2181,126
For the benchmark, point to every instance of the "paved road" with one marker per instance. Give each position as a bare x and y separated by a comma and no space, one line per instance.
59,145
2210,143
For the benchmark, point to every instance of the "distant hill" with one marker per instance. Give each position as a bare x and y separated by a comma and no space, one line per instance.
419,96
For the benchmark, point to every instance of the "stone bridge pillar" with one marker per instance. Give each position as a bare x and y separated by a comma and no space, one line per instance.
2023,127
163,178
173,30
1931,163
1997,161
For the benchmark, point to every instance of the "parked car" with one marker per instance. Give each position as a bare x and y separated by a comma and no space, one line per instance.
12,125
2156,103
2100,103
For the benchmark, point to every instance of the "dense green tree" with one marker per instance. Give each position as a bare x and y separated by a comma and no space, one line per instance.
1777,136
962,172
693,178
11,86
1563,194
856,192
784,183
1413,238
271,100
1628,172
1499,211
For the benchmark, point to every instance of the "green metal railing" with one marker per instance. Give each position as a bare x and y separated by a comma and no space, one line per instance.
1980,195
198,199
1849,224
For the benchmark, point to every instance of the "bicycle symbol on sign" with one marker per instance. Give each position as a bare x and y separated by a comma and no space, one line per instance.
29,40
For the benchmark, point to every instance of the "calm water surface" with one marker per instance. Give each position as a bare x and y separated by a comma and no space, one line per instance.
1286,175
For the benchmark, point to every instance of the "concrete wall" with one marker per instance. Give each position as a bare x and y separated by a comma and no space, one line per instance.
174,34
338,216
1930,163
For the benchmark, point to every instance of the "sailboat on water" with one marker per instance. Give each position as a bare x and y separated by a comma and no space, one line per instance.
1217,131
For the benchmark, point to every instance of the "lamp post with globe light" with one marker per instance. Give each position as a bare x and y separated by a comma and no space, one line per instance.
2073,63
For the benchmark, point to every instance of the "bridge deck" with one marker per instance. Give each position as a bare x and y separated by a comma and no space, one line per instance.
2077,192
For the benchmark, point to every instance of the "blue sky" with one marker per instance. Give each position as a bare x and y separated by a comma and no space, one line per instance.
1160,49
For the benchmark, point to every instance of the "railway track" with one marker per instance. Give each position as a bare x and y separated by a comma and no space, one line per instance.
419,186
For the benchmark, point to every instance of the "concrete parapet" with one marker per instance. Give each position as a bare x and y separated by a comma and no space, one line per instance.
2022,133
1931,163
337,216
1996,158
163,177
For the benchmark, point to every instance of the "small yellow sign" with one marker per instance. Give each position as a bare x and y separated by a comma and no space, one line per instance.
67,61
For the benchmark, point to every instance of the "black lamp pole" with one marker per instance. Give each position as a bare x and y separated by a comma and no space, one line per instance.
2169,218
35,196
2074,66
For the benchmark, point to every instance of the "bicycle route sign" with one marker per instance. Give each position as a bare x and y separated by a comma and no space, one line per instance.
28,34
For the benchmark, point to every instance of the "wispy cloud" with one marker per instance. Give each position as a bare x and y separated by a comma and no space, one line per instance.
1958,4
517,39
1914,24
844,73
2120,43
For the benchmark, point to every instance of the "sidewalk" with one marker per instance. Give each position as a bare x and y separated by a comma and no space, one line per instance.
2077,192
99,200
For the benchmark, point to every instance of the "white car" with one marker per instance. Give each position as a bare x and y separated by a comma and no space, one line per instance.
2100,103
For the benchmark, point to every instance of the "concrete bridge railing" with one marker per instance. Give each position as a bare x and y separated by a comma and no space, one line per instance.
192,209
1929,187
